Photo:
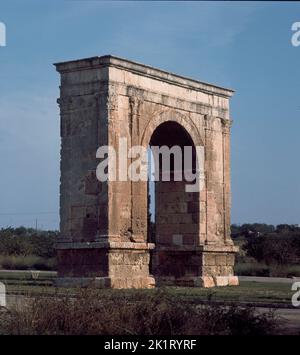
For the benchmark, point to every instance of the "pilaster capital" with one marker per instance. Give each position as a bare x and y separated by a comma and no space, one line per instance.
135,102
226,125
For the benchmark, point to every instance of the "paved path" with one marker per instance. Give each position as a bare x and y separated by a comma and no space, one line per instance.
288,280
289,319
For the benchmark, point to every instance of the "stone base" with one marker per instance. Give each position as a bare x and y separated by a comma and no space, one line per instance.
104,265
209,281
105,282
147,282
190,266
129,265
202,281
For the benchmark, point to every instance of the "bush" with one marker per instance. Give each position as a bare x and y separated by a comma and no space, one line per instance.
293,271
261,269
22,241
28,262
252,269
274,249
134,313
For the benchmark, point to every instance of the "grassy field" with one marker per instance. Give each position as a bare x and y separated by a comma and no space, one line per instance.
247,292
252,292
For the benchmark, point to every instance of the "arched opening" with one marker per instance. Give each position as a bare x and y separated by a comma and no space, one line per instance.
173,212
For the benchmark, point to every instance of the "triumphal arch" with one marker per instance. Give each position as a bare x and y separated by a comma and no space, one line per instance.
105,226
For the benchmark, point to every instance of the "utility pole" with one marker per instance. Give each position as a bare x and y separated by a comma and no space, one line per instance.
36,225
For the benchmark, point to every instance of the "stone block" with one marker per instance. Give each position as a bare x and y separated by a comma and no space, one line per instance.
91,185
209,259
164,239
222,280
177,239
189,239
221,260
193,207
230,259
204,281
233,280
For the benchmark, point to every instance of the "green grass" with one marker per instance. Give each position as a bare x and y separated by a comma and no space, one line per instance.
25,282
246,292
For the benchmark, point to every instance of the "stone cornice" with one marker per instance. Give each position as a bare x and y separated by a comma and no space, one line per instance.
104,245
203,248
144,70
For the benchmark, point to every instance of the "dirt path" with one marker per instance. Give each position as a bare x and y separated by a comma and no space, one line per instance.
286,280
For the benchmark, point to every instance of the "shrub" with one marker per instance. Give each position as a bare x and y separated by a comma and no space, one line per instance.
134,313
22,241
252,269
28,262
261,269
274,249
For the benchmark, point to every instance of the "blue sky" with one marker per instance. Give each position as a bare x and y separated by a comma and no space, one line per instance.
245,46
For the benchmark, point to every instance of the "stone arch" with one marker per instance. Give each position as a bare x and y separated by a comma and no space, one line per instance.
103,236
171,115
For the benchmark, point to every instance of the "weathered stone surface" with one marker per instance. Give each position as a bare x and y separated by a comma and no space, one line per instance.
104,225
233,280
205,281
